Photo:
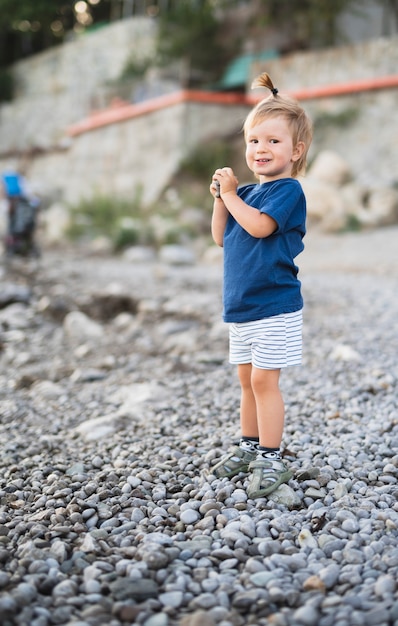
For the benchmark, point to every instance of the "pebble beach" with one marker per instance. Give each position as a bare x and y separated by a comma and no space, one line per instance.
117,399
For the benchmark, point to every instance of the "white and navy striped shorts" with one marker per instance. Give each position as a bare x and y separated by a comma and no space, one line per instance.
270,343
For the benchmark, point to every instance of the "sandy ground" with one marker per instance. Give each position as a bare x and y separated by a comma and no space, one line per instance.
370,251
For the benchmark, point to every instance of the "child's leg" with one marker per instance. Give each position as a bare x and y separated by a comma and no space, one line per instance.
268,470
248,407
240,456
269,406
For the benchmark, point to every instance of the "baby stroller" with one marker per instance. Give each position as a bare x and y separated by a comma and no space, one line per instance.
22,212
21,227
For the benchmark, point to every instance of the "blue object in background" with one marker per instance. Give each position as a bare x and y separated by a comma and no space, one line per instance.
12,182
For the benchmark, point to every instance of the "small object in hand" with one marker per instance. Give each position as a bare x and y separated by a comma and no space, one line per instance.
217,184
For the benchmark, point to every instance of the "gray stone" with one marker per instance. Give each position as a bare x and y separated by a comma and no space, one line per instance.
91,521
172,599
138,590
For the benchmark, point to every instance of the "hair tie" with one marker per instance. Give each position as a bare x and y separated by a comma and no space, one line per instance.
274,91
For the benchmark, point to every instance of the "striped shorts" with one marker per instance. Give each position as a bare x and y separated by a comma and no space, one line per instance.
270,343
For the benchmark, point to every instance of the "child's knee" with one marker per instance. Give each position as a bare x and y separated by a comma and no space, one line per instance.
264,380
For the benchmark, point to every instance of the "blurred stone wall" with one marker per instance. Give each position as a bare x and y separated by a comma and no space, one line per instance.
61,86
140,154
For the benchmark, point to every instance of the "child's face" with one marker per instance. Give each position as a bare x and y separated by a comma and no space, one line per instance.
270,152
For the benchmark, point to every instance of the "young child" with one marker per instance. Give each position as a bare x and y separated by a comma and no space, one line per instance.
261,227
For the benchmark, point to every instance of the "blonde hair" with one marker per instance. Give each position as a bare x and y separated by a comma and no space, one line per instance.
275,105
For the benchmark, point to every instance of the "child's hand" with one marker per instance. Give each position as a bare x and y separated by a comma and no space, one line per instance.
226,179
215,189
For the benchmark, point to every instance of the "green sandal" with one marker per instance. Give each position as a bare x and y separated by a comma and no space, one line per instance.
236,461
268,475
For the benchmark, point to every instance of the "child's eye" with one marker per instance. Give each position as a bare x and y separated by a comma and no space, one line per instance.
253,141
274,141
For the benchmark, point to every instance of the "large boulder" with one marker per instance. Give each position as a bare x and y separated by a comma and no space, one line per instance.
335,201
382,205
329,167
354,197
325,205
79,327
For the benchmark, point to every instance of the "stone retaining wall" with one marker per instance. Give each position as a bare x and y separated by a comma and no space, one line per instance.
140,154
59,87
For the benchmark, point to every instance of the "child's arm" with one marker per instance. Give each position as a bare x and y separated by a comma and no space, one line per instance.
219,222
219,217
255,223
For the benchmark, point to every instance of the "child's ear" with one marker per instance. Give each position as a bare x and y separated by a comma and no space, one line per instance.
298,151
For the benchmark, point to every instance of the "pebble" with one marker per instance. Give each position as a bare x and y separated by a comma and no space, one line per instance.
127,524
189,516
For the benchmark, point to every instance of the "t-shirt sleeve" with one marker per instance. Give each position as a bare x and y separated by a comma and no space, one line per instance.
281,203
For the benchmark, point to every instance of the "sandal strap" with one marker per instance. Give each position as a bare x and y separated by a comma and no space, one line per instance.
272,465
267,475
237,460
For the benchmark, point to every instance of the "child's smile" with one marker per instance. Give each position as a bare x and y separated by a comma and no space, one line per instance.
270,153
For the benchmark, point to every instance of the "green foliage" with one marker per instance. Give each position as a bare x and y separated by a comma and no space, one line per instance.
41,10
340,119
102,212
29,26
194,31
25,26
353,224
135,68
189,31
116,218
6,85
206,157
127,223
131,232
313,23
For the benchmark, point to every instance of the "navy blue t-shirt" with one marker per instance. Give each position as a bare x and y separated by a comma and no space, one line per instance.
260,276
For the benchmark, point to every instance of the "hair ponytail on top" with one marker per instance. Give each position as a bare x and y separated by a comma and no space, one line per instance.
275,105
264,80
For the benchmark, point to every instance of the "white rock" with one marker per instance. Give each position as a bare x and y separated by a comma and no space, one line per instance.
100,245
15,316
354,198
123,320
47,389
385,586
343,352
80,327
285,495
139,254
97,428
325,205
59,550
172,599
91,572
306,539
330,167
189,516
182,343
131,398
176,255
383,206
340,491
